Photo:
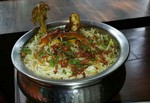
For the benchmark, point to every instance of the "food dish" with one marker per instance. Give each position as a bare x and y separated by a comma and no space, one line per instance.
62,54
70,51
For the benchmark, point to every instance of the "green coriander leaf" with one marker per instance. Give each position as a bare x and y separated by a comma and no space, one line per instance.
26,50
64,71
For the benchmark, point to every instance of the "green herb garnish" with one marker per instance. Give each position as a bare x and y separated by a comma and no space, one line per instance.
26,50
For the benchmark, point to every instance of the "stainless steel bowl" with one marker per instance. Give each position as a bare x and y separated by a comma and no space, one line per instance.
69,88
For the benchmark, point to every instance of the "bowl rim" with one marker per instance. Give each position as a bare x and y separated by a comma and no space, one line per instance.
124,52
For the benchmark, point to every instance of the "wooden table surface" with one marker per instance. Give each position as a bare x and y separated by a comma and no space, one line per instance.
137,83
15,15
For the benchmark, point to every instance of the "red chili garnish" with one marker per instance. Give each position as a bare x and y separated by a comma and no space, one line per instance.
75,35
85,61
50,36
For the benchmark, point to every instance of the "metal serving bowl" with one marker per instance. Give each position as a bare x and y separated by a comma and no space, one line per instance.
85,90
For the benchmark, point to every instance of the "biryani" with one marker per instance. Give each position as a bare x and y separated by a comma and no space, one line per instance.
69,51
65,55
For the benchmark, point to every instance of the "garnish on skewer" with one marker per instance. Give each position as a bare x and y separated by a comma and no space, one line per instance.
74,22
39,14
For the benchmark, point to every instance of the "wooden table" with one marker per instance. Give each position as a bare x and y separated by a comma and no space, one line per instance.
15,15
136,87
